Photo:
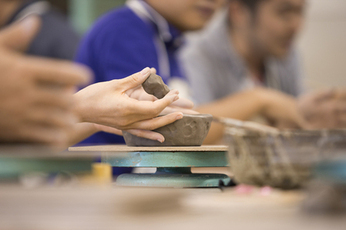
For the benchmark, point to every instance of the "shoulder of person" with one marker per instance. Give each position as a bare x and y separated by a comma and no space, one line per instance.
119,25
56,25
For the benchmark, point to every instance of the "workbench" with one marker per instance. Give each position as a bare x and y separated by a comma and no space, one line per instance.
156,209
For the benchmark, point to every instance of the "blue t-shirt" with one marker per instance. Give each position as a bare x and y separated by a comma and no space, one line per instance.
120,44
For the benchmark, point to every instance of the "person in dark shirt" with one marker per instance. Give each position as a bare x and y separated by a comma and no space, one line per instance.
56,38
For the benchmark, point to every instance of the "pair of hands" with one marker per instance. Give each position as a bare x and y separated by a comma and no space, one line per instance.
38,104
325,109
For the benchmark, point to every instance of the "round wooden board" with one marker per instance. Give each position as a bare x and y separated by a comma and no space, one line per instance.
124,148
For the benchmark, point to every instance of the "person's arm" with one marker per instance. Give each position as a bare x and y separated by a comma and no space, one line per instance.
81,131
280,109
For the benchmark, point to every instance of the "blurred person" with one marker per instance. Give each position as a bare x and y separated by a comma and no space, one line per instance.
143,33
55,39
244,65
38,104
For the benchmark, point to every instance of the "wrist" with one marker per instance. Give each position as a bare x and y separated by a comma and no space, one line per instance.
79,108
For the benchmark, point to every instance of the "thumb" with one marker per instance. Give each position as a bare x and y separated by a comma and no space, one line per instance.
134,80
19,35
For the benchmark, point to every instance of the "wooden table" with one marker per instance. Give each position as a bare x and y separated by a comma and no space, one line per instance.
155,209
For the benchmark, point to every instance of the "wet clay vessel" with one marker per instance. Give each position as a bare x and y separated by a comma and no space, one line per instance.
154,85
191,130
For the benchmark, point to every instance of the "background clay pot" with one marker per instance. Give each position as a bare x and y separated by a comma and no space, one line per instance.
191,130
283,161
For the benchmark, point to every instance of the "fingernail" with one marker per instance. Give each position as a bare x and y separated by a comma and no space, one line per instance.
28,23
161,140
180,116
145,71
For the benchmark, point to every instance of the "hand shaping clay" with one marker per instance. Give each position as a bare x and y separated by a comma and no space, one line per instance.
154,85
191,130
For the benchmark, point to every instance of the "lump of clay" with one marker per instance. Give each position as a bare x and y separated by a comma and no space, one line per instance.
191,130
154,85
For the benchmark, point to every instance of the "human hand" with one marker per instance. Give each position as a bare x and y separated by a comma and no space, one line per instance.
324,109
281,109
35,93
181,105
109,103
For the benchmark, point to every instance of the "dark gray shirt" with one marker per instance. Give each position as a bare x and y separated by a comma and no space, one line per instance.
215,70
56,38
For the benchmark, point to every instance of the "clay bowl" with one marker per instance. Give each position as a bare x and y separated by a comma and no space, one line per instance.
191,130
284,160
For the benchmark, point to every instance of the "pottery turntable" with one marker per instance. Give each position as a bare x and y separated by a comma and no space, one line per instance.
173,164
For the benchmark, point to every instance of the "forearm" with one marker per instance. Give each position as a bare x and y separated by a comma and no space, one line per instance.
81,131
241,106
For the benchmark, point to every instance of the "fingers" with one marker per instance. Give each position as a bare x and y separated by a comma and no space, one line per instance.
134,80
108,129
57,72
139,94
44,134
147,134
53,98
156,122
150,109
137,132
183,103
172,109
51,118
20,35
153,70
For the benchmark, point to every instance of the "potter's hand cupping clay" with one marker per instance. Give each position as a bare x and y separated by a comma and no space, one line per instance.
191,130
154,85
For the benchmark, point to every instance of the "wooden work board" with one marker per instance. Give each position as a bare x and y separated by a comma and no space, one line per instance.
124,148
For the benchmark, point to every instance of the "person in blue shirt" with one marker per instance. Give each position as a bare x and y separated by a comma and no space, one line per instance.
140,34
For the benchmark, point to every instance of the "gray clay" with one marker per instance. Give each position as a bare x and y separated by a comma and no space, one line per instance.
154,85
191,130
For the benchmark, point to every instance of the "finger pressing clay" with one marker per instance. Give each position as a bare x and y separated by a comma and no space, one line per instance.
154,85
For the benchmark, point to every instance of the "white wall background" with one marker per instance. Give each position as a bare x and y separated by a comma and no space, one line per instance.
323,44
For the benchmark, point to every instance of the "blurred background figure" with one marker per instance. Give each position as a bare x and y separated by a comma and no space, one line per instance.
250,47
56,38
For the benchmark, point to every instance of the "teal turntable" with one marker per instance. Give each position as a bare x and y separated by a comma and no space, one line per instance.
173,165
